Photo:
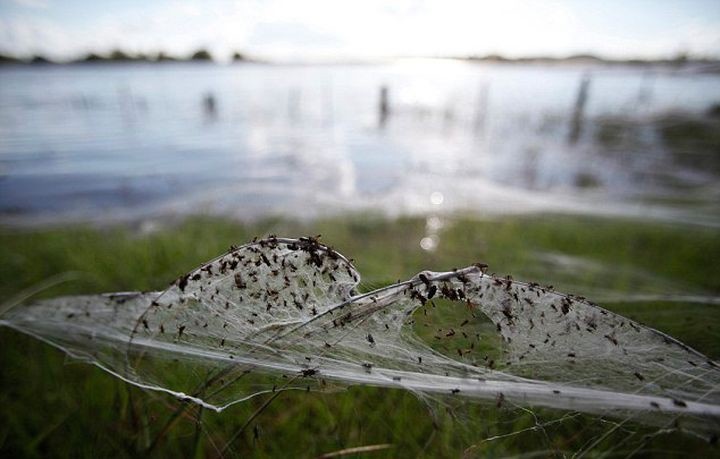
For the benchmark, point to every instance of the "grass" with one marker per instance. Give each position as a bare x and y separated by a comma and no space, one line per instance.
52,406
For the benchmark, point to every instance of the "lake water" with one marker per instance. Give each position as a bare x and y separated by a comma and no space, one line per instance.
120,142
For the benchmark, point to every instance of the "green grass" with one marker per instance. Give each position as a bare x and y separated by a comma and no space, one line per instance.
52,406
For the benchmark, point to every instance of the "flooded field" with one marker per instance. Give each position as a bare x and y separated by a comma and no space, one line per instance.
130,141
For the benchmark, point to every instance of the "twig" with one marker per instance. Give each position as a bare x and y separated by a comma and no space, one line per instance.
356,450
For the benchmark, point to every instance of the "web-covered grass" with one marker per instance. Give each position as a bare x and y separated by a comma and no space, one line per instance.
386,356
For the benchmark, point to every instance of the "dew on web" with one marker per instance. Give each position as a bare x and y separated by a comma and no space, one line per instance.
283,314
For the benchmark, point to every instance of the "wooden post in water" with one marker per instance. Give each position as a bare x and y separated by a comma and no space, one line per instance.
645,93
328,106
577,118
481,111
383,106
293,106
210,106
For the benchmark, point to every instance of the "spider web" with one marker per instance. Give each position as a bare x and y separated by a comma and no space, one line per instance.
283,314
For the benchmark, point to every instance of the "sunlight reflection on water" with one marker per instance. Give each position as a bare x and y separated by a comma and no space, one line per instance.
128,141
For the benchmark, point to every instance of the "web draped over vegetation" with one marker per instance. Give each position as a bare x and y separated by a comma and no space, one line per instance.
284,314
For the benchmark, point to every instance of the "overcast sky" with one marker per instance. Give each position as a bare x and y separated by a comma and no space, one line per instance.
360,29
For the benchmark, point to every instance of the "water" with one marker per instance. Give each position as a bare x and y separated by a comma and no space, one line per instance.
118,142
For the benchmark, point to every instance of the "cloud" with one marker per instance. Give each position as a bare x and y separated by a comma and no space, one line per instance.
283,29
26,36
269,34
35,4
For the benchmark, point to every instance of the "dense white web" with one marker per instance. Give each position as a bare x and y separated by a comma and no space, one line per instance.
281,314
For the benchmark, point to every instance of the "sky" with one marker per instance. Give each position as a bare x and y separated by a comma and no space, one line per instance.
319,30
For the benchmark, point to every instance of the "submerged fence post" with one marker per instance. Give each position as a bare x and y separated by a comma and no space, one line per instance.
383,106
328,106
293,104
481,111
577,118
210,105
645,93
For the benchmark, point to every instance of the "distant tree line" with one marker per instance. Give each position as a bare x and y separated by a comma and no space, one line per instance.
201,55
679,59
